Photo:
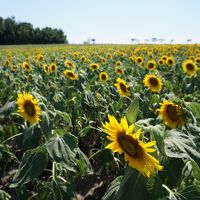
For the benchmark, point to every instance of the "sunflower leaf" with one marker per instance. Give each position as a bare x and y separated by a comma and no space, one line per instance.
133,185
62,148
191,192
196,110
112,189
33,163
4,195
179,145
83,163
7,108
132,111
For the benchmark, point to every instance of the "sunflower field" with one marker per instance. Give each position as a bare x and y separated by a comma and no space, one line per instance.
110,122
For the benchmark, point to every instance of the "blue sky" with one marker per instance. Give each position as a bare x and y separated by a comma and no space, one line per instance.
111,21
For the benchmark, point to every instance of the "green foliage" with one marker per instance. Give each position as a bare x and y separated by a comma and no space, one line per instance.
33,163
4,195
53,158
112,190
63,148
12,32
133,111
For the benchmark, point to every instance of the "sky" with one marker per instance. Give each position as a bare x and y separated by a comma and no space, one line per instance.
111,21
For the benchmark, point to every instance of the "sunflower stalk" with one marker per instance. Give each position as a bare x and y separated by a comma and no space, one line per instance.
54,171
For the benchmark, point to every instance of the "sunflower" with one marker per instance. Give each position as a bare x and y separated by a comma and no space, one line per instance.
109,55
46,68
13,68
103,76
172,114
83,58
53,67
153,83
119,70
40,57
69,64
76,54
103,60
197,60
94,66
151,64
27,66
170,61
28,107
70,74
121,54
189,67
136,152
122,87
118,63
132,58
139,60
164,58
6,62
161,61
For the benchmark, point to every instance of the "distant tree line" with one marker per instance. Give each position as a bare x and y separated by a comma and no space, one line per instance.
12,32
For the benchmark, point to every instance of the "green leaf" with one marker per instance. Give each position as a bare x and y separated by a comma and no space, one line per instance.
191,192
47,123
83,163
63,148
31,137
133,185
171,179
8,108
65,116
173,195
179,145
155,99
4,195
158,131
196,109
154,187
111,191
132,111
33,163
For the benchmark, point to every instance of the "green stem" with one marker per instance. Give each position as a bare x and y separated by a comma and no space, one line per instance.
54,171
12,137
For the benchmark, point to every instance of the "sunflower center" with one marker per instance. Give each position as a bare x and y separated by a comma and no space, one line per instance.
139,60
170,62
94,66
172,112
53,67
70,74
130,146
190,66
153,81
123,87
29,108
119,71
103,77
27,66
150,65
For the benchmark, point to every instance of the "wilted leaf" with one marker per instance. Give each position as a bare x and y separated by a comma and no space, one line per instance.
33,163
62,148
